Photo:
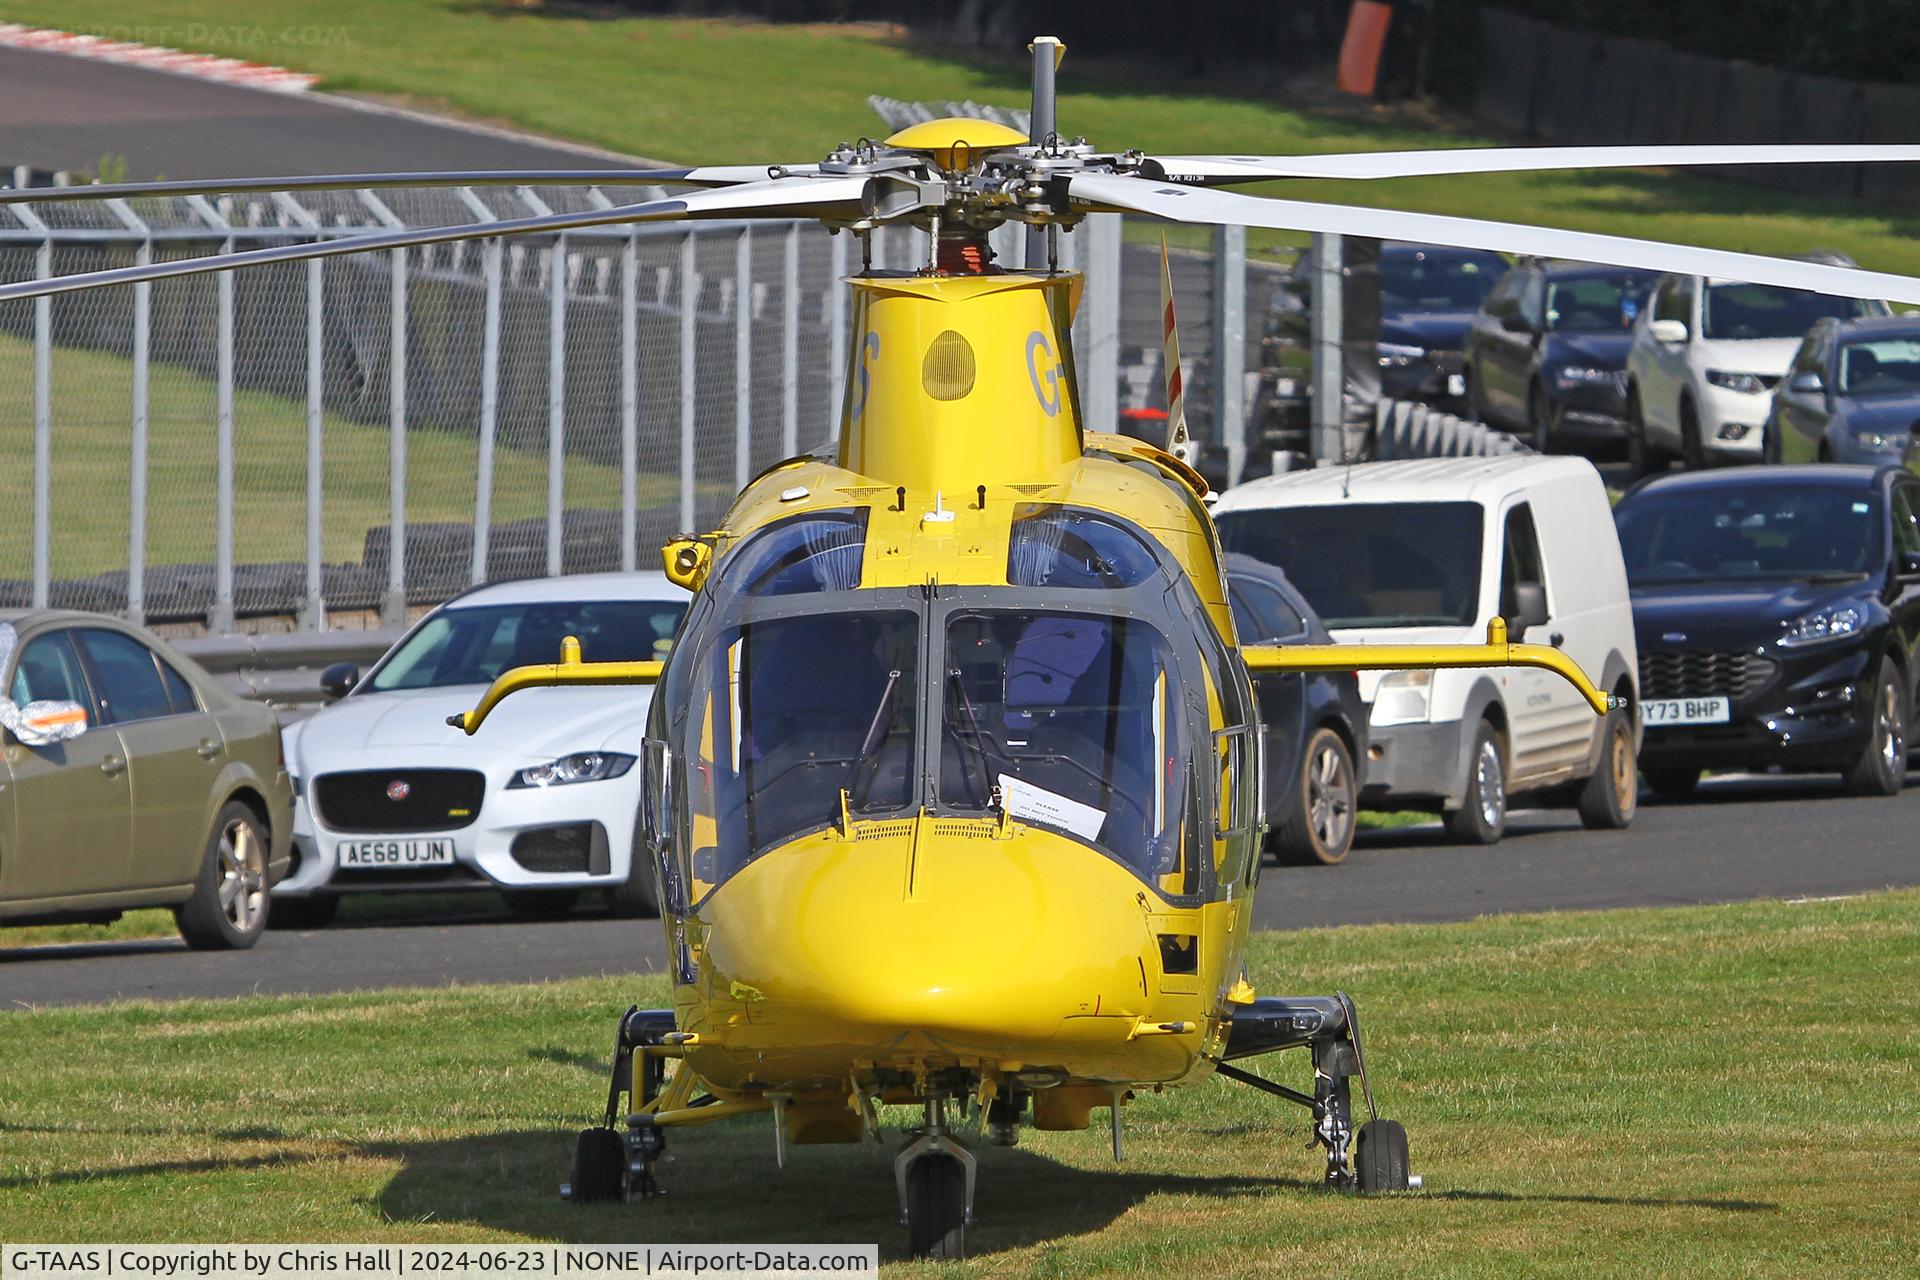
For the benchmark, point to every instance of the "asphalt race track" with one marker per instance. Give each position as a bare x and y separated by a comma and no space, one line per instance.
1741,838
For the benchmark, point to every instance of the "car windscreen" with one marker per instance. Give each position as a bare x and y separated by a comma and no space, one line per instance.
1371,564
473,644
1880,366
1430,282
1597,304
1756,532
1736,310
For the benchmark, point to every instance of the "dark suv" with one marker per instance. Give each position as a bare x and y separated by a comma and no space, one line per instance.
1777,612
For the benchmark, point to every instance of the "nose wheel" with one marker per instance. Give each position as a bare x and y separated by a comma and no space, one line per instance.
935,1175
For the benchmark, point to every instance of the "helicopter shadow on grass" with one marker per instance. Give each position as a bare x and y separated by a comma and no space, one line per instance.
722,1184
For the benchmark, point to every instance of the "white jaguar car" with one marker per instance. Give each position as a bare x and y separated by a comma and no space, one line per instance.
543,802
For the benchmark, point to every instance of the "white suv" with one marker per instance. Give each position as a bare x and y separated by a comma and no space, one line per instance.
1428,552
1703,362
541,802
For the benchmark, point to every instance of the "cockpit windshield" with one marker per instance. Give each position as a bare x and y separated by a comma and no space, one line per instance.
1068,718
797,712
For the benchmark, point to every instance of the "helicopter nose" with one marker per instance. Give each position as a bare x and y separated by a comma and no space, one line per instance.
952,932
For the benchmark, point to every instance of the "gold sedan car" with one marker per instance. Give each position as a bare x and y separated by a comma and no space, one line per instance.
133,779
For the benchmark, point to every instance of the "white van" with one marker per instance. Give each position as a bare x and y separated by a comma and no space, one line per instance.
1427,552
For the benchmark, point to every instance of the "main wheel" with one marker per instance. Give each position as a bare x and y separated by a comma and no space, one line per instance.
1540,418
599,1166
1610,793
937,1208
1881,769
1319,829
228,908
1380,1157
315,911
541,904
1672,782
1482,815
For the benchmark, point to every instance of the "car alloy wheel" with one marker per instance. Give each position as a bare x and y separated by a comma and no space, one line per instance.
1491,779
1893,735
243,874
1330,797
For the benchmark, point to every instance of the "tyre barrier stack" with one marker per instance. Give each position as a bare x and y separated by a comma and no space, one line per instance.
1403,429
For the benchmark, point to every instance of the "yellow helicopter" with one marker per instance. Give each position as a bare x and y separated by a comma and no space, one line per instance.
953,774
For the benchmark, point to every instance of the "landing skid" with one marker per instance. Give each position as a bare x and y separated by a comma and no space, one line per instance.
1372,1158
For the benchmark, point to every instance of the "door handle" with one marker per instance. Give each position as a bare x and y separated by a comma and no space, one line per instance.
113,766
208,748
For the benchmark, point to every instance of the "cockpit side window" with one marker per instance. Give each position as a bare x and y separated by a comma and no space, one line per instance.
817,551
796,716
1074,721
1054,546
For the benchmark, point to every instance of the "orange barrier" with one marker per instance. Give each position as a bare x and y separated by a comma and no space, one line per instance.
1365,42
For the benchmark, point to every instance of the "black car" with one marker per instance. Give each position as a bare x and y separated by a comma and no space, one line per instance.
1777,612
1313,723
1546,357
1852,393
1428,295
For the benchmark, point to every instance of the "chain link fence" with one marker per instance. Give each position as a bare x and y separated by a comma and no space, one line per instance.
343,442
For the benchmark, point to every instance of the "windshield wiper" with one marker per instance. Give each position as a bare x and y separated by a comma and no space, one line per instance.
857,780
956,684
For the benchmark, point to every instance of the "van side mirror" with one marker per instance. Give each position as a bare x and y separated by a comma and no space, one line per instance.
1668,331
338,680
1806,384
1530,601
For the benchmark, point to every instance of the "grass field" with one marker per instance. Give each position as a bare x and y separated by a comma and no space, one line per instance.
715,91
1707,1091
93,395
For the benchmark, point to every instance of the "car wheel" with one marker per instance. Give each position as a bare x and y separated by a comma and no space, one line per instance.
1639,456
316,911
228,908
1881,769
1693,453
1540,417
633,897
1320,827
1482,815
541,904
1770,442
1672,782
1608,798
1470,396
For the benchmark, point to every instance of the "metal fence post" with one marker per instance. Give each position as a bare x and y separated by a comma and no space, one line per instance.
556,406
1329,438
1230,345
42,412
491,254
742,358
790,347
629,401
137,445
220,617
689,336
394,611
1099,359
313,607
836,303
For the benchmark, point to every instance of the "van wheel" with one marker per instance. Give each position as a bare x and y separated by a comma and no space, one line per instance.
1320,827
228,908
1881,769
1608,798
1482,815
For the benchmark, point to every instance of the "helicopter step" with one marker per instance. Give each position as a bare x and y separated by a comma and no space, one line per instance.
934,1174
1330,1027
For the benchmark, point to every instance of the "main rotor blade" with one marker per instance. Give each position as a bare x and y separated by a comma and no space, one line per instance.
721,175
787,198
1214,170
1118,194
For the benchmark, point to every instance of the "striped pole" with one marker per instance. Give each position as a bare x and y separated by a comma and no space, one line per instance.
1178,443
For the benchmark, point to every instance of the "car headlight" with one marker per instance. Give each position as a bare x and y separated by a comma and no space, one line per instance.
581,766
1402,698
1880,441
1747,384
1395,355
1830,623
1580,375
